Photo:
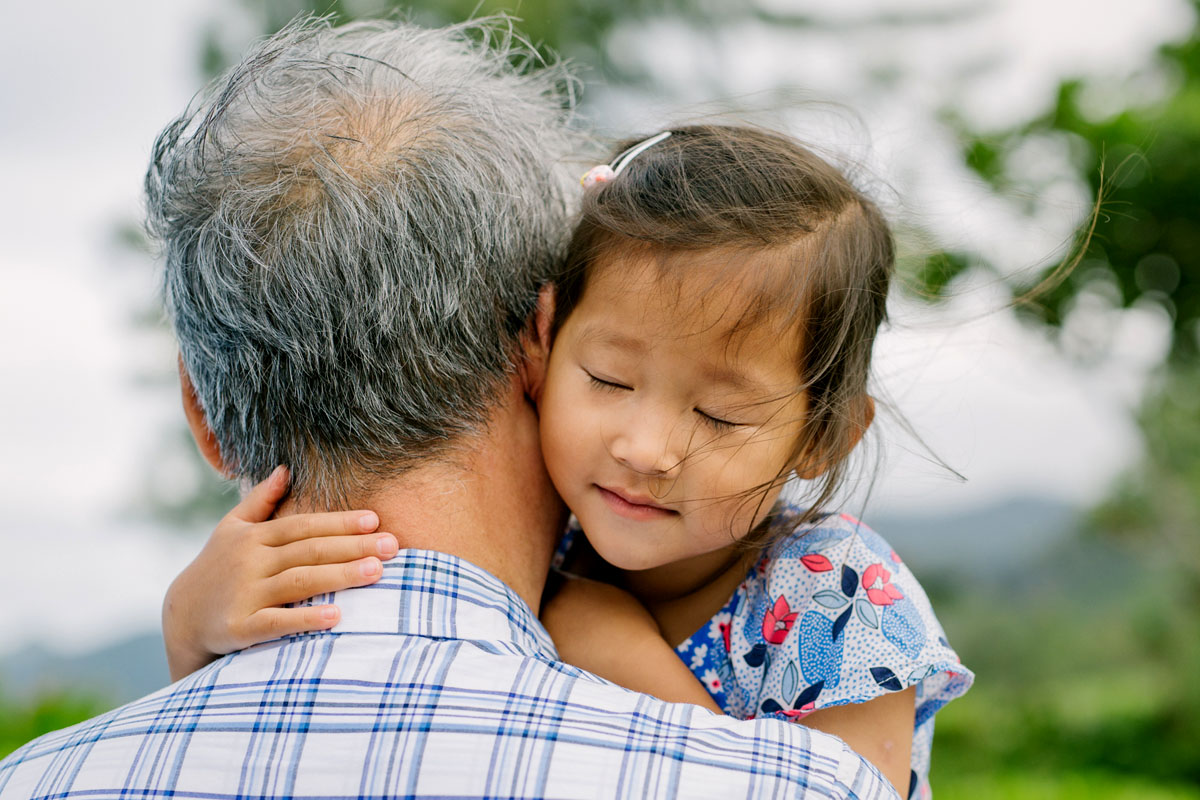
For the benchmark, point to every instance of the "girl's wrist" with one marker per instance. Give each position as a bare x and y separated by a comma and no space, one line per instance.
184,654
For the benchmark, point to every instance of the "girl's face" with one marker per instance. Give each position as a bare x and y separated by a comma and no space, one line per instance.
655,421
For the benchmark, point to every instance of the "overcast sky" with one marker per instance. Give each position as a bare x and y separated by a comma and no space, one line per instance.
84,87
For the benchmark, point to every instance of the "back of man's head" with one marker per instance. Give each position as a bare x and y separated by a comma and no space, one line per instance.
356,222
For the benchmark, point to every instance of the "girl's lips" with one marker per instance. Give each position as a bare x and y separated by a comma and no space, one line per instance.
633,510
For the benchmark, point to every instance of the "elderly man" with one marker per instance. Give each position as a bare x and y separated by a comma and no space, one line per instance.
356,224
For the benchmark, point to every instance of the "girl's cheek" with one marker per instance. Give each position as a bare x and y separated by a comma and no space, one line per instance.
559,426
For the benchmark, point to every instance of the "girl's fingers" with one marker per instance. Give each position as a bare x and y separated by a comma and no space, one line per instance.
335,550
298,527
271,623
260,503
300,583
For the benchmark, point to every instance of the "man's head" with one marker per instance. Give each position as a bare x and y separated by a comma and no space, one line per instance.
356,222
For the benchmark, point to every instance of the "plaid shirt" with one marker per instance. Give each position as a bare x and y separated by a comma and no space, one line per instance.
438,682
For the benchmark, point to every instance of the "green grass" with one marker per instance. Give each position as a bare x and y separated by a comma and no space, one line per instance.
1017,785
23,720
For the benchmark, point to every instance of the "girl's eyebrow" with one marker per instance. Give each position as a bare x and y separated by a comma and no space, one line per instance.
597,334
735,379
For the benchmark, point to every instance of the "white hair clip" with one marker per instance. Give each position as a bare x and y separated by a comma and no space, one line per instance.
603,173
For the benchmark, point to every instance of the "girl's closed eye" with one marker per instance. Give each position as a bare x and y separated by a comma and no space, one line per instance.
717,423
606,385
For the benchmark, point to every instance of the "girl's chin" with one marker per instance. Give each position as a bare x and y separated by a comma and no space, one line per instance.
625,558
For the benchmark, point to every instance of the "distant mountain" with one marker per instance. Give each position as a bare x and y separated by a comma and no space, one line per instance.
118,672
990,543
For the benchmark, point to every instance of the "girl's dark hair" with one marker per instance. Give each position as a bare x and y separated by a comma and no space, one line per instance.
830,258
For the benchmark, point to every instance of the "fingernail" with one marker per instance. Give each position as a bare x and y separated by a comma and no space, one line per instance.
370,567
368,521
386,545
329,613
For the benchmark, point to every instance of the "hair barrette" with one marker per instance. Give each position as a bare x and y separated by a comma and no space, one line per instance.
603,173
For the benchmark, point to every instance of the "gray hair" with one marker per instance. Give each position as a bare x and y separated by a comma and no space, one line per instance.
356,222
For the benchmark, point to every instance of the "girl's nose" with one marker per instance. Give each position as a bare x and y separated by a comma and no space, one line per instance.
649,445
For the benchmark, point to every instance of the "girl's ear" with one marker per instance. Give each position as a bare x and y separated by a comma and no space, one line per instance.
535,344
822,456
866,416
197,421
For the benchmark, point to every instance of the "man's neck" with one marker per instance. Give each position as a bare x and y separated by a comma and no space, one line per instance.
490,503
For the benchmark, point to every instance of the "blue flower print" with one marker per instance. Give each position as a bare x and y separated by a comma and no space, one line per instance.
820,654
752,628
902,626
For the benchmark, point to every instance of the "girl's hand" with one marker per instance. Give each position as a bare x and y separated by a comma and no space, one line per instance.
231,595
606,631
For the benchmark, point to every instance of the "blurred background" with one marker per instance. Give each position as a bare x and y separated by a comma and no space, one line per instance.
1040,467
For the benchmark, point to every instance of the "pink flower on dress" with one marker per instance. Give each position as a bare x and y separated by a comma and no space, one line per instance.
875,580
778,621
816,562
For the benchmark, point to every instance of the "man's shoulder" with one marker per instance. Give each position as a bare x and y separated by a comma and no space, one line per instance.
341,715
708,750
39,766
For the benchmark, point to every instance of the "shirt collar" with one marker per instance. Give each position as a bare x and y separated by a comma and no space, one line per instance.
426,593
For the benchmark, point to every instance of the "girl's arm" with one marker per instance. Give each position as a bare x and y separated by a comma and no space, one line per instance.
879,730
606,631
232,595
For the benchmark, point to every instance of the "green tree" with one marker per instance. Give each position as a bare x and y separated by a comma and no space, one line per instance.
1143,161
575,29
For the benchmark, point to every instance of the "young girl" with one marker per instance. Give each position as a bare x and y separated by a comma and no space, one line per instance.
711,343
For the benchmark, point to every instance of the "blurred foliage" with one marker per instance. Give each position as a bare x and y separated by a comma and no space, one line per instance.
1101,688
1158,504
932,273
546,23
21,721
575,29
1015,784
1086,662
1141,157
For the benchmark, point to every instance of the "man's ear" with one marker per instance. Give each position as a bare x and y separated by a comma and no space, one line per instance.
815,465
535,344
198,423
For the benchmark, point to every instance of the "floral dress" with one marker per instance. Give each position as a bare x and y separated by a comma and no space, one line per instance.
829,615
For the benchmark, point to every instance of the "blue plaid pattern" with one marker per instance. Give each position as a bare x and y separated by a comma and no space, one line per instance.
438,682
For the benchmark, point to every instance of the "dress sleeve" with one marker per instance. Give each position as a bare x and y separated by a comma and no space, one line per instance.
836,617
